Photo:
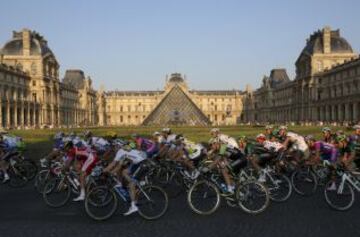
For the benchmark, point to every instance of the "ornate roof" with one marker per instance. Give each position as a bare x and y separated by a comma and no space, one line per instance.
38,44
338,44
75,78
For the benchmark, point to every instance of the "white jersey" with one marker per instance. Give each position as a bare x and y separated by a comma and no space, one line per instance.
169,139
298,142
229,141
272,146
193,149
99,142
135,156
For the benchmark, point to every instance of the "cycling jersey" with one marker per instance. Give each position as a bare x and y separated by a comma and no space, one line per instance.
229,141
192,149
327,151
135,156
168,140
297,141
272,146
147,146
87,157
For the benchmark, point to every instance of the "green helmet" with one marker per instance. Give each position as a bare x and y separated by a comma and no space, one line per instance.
132,145
242,138
341,138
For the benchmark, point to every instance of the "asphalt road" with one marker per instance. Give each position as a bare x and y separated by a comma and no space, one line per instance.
23,213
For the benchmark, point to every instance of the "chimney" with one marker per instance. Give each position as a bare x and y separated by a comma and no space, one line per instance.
26,38
327,39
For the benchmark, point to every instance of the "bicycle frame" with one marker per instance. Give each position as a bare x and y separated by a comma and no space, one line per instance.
347,178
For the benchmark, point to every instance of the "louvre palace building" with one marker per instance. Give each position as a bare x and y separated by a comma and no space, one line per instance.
326,89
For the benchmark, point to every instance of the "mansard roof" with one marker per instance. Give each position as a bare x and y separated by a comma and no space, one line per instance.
38,45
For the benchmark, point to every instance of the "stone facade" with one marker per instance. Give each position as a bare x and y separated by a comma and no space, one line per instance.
135,107
33,95
326,87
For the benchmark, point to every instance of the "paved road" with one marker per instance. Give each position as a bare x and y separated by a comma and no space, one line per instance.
23,213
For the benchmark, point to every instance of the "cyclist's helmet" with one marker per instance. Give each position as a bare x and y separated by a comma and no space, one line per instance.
356,127
309,138
242,138
269,127
326,129
87,134
340,138
135,135
166,130
132,145
260,137
283,127
156,134
215,130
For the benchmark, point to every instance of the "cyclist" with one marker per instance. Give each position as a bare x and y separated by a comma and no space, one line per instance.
126,161
321,150
147,145
59,141
263,152
9,146
224,139
269,131
346,150
327,135
354,139
183,151
220,161
295,143
166,139
85,159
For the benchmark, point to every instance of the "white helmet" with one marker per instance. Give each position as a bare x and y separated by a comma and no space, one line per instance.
214,130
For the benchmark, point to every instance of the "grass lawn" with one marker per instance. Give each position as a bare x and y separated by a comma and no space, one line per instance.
39,142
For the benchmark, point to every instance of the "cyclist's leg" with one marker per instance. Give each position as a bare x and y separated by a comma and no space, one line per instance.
126,174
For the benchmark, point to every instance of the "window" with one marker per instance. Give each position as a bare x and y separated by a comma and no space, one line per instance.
121,108
121,119
34,83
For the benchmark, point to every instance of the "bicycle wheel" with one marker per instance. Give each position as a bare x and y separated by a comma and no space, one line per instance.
41,179
204,198
162,176
57,192
304,182
279,187
342,197
253,197
17,176
31,169
152,202
101,203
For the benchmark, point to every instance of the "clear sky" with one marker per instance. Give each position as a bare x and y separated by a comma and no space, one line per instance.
132,45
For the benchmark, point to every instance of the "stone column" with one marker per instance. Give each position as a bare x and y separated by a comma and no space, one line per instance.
8,124
356,114
340,114
333,113
34,116
28,115
15,116
22,115
346,112
327,113
1,116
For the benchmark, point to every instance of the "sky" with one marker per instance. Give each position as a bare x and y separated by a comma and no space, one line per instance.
133,45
